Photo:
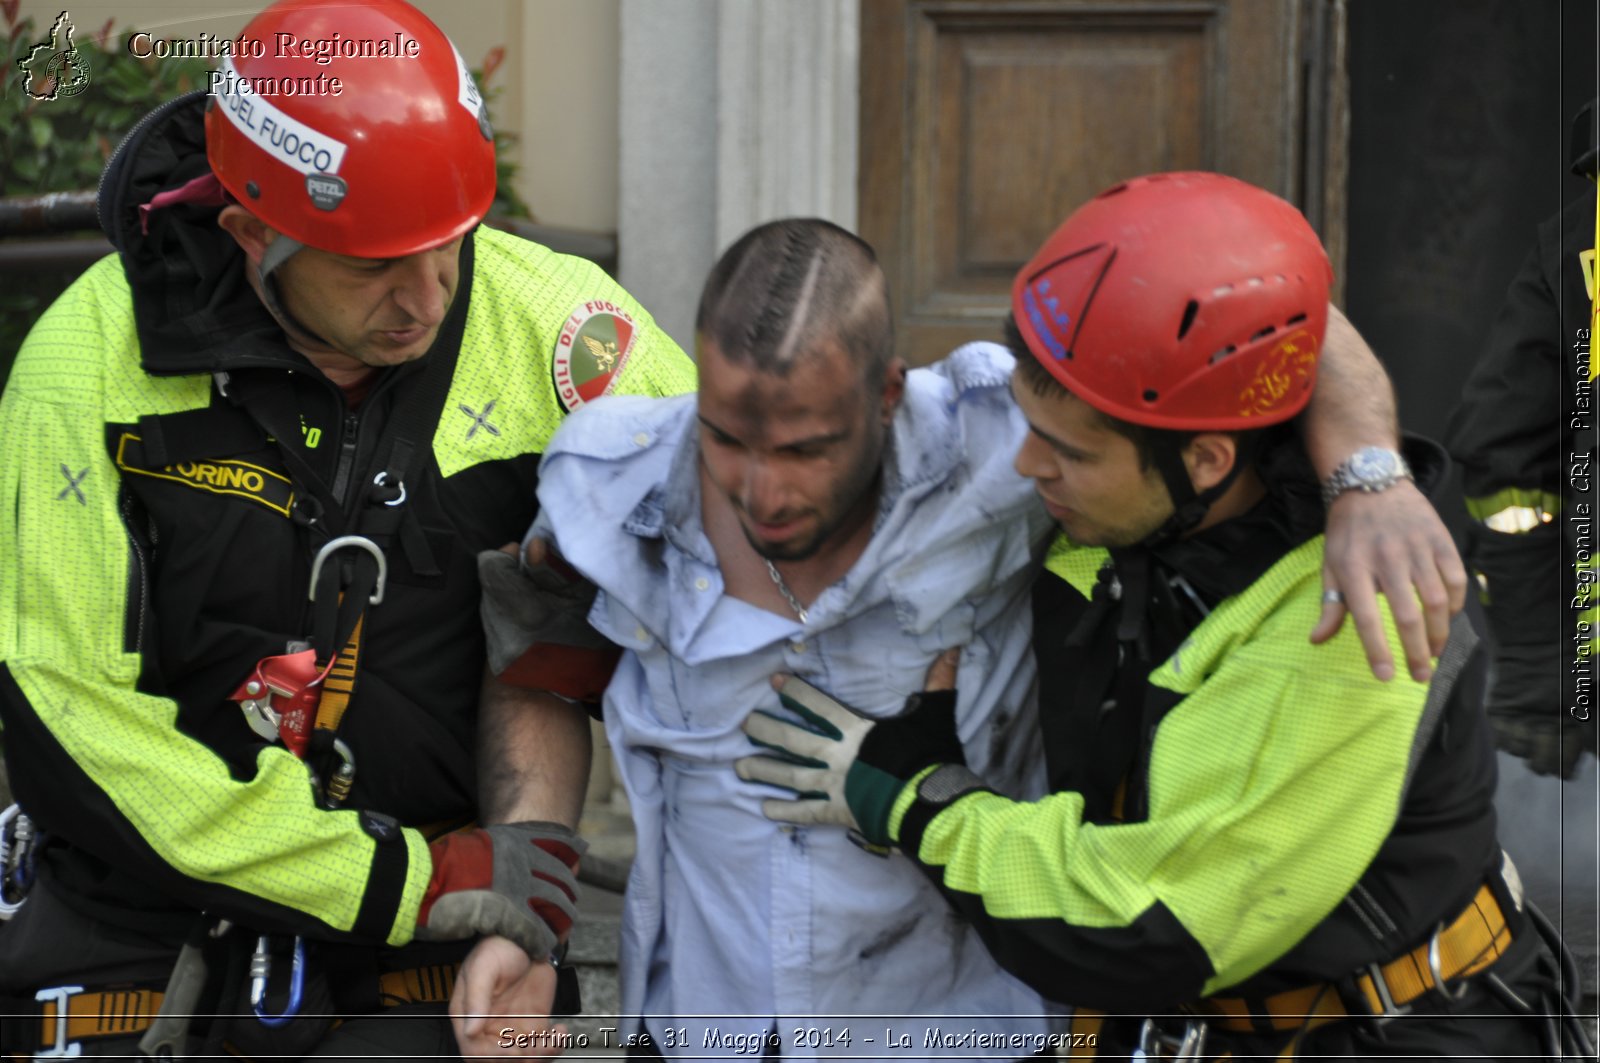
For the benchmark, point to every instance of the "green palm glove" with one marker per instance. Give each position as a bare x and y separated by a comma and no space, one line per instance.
844,767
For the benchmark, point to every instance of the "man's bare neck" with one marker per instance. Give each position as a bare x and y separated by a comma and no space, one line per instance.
744,572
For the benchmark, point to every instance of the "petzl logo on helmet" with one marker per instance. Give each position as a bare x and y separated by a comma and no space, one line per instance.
1283,374
286,139
55,69
325,190
593,346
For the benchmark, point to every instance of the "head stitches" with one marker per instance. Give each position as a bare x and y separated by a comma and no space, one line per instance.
789,287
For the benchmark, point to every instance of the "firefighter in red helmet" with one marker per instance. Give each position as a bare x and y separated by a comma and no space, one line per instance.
1253,848
241,660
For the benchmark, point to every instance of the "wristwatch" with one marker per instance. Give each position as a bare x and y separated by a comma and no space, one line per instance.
1368,469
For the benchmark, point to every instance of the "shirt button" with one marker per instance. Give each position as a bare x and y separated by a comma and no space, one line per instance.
797,646
702,584
641,634
641,439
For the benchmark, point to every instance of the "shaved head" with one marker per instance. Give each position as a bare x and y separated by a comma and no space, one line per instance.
795,286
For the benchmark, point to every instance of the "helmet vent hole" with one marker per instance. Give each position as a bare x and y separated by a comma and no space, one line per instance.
1150,395
252,189
1113,191
1269,330
1188,318
1220,355
1297,319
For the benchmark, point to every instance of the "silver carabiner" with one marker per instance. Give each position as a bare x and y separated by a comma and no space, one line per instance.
261,971
344,776
1194,1041
360,542
16,844
1434,968
1156,1043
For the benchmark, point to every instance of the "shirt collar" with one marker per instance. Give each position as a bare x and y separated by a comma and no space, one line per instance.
923,448
671,510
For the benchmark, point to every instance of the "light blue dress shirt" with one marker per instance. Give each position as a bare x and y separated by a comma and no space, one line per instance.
729,915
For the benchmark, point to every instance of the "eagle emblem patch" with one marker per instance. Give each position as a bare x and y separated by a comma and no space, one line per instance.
593,347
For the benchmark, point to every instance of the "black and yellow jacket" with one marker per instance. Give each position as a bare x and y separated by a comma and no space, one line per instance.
168,469
1233,807
1524,438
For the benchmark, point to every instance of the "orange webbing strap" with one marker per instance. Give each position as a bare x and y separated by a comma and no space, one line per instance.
1478,937
107,1013
1294,1009
340,682
1475,939
418,985
1085,1034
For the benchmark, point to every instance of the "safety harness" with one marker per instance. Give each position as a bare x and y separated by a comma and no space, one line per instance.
299,697
62,1017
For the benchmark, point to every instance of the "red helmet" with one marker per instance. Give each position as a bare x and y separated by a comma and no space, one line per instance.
399,159
1183,301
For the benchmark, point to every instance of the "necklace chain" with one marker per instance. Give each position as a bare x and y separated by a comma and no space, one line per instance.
783,589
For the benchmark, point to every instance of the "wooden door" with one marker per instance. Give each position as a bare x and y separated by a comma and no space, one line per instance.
985,122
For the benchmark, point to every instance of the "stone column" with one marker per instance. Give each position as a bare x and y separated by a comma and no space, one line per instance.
734,112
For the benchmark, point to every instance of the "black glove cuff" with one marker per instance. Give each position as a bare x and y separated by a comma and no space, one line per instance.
924,734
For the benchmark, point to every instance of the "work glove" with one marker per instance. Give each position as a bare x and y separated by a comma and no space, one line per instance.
536,626
524,604
516,880
1525,710
844,767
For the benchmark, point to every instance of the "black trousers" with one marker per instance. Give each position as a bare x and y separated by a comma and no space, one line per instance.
49,945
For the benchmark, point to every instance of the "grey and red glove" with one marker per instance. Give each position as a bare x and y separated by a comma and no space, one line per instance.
516,880
535,620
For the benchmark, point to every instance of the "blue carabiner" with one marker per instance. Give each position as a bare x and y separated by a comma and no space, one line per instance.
261,970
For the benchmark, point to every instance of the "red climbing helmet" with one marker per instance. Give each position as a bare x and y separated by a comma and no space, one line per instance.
1188,301
398,160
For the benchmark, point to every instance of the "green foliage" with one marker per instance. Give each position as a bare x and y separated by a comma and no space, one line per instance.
62,144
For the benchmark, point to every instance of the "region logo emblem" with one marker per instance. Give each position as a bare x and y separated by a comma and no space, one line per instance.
594,344
55,69
1289,369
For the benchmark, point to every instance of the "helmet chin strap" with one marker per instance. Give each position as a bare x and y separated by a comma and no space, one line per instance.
276,254
1133,563
1189,506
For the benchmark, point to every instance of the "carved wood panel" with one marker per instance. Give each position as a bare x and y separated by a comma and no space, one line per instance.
985,123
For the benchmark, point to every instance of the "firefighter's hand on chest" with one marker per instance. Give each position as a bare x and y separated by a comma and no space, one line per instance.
845,768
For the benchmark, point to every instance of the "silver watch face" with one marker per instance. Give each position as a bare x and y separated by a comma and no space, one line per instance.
1372,465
